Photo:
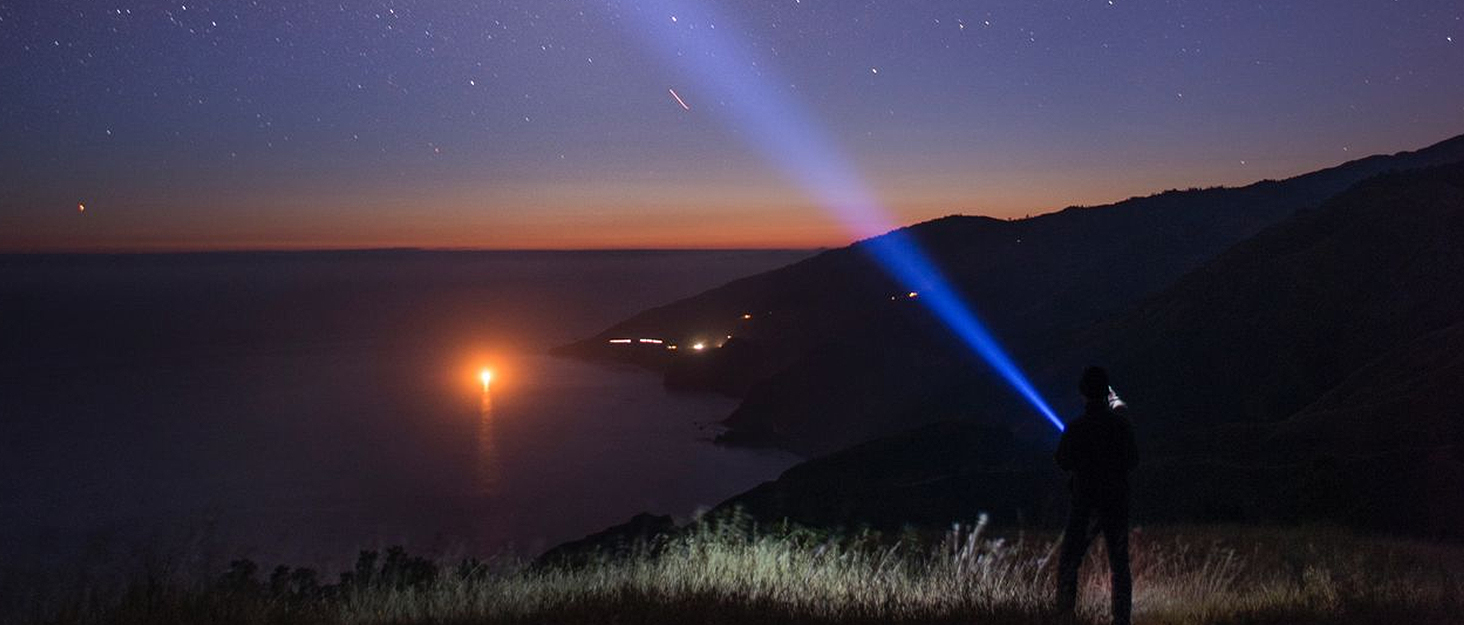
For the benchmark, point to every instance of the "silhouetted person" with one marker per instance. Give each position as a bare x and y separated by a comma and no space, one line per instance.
1098,450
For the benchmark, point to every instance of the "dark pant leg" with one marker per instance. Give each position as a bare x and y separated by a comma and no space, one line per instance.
1114,522
1074,547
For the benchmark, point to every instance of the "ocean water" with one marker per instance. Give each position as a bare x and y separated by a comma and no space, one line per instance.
300,407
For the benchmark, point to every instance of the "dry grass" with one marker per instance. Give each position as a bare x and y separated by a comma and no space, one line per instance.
728,571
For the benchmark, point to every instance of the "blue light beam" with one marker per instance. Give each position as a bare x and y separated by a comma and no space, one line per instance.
701,45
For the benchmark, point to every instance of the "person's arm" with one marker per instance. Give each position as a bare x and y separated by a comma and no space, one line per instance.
1064,455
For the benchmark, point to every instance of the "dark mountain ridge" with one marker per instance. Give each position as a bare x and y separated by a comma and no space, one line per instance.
1364,288
830,351
1235,423
1273,324
1323,353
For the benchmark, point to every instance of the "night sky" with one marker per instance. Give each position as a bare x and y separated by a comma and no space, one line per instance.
448,123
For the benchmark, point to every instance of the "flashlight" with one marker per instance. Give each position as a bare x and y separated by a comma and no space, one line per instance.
1114,403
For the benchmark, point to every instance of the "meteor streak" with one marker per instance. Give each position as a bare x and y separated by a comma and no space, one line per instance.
678,99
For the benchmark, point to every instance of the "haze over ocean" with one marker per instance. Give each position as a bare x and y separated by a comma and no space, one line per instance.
304,406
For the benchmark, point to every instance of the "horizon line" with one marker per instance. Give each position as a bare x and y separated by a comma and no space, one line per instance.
402,248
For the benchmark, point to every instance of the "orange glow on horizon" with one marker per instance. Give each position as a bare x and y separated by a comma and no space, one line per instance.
464,225
729,210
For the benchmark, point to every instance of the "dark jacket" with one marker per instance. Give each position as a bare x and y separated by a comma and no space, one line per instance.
1098,449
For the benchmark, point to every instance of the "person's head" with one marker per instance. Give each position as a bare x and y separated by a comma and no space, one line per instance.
1094,384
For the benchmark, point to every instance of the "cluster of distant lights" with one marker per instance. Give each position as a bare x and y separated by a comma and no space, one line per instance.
700,345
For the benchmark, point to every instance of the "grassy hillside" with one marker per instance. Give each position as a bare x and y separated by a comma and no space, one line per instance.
729,571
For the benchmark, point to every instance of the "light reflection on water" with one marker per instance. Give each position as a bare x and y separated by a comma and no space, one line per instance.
317,473
299,409
488,466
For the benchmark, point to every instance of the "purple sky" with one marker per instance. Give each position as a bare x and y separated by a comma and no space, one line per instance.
206,125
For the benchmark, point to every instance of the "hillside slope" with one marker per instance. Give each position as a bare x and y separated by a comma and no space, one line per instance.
1270,326
1310,374
829,351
